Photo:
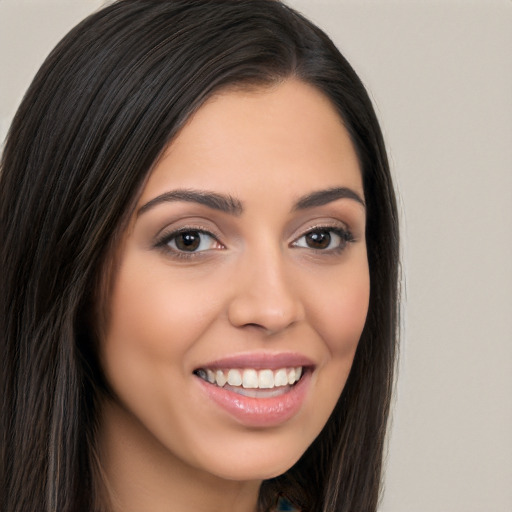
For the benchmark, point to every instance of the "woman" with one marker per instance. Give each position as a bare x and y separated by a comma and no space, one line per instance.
199,268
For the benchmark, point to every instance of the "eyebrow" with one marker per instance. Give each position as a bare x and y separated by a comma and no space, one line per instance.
322,197
221,202
228,204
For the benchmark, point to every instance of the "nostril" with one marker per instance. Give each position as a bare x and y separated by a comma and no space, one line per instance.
254,325
267,329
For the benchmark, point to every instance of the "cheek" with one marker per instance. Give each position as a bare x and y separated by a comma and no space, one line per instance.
154,323
153,309
340,310
340,314
151,322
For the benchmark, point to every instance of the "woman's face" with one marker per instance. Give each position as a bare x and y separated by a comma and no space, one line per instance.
245,261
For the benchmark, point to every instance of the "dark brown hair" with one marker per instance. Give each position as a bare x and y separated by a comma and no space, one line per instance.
103,106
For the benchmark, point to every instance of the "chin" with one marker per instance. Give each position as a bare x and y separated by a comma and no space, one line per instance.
255,463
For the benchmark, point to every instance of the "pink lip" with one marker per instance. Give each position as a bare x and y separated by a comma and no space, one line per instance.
259,412
260,361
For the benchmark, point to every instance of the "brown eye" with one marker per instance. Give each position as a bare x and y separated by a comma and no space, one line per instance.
324,239
188,241
318,239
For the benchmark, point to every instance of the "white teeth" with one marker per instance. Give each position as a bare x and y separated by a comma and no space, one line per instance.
251,378
234,378
266,379
220,378
280,378
210,376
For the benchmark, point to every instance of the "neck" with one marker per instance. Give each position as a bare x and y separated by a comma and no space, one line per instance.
138,473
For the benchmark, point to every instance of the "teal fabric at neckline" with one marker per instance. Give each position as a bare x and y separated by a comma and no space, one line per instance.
285,506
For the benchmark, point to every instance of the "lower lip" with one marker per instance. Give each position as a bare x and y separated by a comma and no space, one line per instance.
260,412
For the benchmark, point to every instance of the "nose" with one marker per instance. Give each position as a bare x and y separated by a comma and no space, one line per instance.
265,295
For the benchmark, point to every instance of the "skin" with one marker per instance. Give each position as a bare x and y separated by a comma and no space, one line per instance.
257,287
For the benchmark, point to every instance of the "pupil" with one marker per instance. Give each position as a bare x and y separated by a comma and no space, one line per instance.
188,241
318,239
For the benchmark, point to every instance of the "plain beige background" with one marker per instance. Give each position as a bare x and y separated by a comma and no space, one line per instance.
440,74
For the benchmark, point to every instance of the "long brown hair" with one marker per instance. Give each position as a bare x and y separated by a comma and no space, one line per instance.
105,103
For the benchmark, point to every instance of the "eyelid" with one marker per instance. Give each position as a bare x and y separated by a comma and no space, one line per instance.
166,235
319,224
340,229
181,225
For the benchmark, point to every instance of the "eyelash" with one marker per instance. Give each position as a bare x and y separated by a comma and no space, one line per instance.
345,236
163,242
166,238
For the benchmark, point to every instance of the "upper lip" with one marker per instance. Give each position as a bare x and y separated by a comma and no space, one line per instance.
260,361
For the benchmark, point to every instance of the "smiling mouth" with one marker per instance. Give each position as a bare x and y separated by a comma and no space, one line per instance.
264,383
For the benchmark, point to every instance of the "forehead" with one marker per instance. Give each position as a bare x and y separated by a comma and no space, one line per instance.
288,136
